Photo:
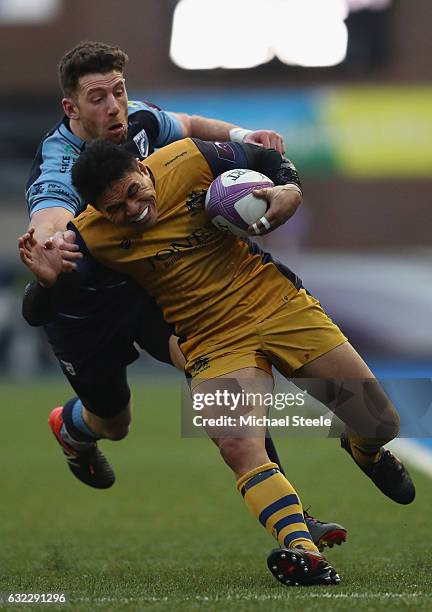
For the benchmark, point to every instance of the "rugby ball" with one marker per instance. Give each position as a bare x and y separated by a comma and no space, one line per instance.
229,201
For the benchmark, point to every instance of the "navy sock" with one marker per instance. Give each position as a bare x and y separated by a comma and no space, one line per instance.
74,423
272,453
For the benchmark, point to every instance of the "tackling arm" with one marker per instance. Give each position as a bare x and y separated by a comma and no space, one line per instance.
49,225
46,263
196,126
48,221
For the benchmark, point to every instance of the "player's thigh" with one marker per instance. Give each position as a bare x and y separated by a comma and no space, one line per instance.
303,342
249,379
343,361
229,400
177,358
242,394
155,336
298,333
341,379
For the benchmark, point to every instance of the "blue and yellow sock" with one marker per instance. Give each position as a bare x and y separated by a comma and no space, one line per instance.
75,430
275,503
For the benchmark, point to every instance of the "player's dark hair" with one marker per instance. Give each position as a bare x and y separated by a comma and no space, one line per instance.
85,58
99,165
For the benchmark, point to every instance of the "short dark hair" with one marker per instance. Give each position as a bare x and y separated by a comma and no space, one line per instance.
99,165
88,57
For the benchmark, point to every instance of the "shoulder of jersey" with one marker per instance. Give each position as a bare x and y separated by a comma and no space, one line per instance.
173,155
88,216
135,106
60,141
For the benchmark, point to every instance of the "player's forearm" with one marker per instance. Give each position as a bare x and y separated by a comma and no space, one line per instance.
208,129
274,165
48,221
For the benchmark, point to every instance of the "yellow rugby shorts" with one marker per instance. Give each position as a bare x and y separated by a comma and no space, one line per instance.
293,335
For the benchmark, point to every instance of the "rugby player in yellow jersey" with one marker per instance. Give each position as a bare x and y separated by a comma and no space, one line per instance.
237,314
80,322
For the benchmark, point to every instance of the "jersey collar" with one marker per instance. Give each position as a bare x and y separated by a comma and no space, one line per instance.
67,133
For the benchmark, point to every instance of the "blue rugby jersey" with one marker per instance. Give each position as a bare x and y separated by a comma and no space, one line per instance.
93,304
50,183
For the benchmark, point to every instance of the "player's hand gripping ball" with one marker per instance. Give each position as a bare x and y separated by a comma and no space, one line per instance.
230,203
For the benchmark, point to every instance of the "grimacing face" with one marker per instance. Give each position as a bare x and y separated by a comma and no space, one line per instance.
130,201
100,107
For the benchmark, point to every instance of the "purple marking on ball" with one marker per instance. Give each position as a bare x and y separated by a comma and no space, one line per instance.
222,200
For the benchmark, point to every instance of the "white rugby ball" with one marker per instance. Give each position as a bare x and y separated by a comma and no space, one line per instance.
230,203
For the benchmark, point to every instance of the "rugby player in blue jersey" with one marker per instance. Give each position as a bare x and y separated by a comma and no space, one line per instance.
92,342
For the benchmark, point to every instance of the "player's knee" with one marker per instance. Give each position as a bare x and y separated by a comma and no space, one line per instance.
389,421
390,427
236,452
117,432
382,410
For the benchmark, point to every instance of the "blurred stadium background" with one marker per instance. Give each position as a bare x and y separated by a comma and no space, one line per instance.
347,83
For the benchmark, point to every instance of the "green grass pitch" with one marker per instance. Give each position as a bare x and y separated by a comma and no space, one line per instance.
173,533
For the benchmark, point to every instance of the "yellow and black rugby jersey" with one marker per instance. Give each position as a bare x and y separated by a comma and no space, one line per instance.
205,280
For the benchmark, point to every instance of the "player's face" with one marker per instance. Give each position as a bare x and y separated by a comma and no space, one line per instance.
101,107
130,201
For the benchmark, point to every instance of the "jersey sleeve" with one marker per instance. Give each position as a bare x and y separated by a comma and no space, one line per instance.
50,182
169,128
223,156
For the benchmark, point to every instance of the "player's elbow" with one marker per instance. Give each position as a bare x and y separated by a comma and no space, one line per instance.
36,311
31,320
187,124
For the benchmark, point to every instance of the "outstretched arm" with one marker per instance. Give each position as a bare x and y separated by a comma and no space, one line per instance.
44,260
195,126
49,226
